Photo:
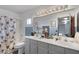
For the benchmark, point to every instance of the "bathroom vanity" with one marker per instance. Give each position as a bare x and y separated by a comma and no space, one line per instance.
35,45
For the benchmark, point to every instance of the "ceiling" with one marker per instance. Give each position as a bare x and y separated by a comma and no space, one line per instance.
22,8
17,8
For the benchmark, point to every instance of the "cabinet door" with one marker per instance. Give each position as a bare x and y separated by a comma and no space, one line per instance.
21,50
33,48
27,46
51,49
70,51
58,50
42,48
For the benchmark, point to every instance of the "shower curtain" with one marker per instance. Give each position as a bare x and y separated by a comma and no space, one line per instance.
7,34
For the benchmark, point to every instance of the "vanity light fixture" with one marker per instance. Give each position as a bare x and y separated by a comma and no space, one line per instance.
51,9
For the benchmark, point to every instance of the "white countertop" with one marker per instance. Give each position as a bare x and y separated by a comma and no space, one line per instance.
62,43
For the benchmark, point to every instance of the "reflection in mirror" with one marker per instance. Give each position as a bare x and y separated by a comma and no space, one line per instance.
78,22
64,26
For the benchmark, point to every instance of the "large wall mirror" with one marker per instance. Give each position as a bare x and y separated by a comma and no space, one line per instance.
78,22
64,26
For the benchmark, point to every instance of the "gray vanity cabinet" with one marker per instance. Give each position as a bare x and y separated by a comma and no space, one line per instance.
38,47
42,48
27,46
53,49
58,50
70,51
33,47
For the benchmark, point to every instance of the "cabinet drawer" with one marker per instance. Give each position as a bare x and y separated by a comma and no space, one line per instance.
43,45
53,49
42,50
58,50
70,51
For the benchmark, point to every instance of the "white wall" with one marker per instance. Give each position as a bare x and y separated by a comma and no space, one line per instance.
8,13
21,19
24,17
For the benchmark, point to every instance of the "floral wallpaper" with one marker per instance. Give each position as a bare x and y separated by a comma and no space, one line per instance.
7,34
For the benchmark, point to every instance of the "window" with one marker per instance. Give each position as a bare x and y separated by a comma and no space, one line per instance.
29,21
